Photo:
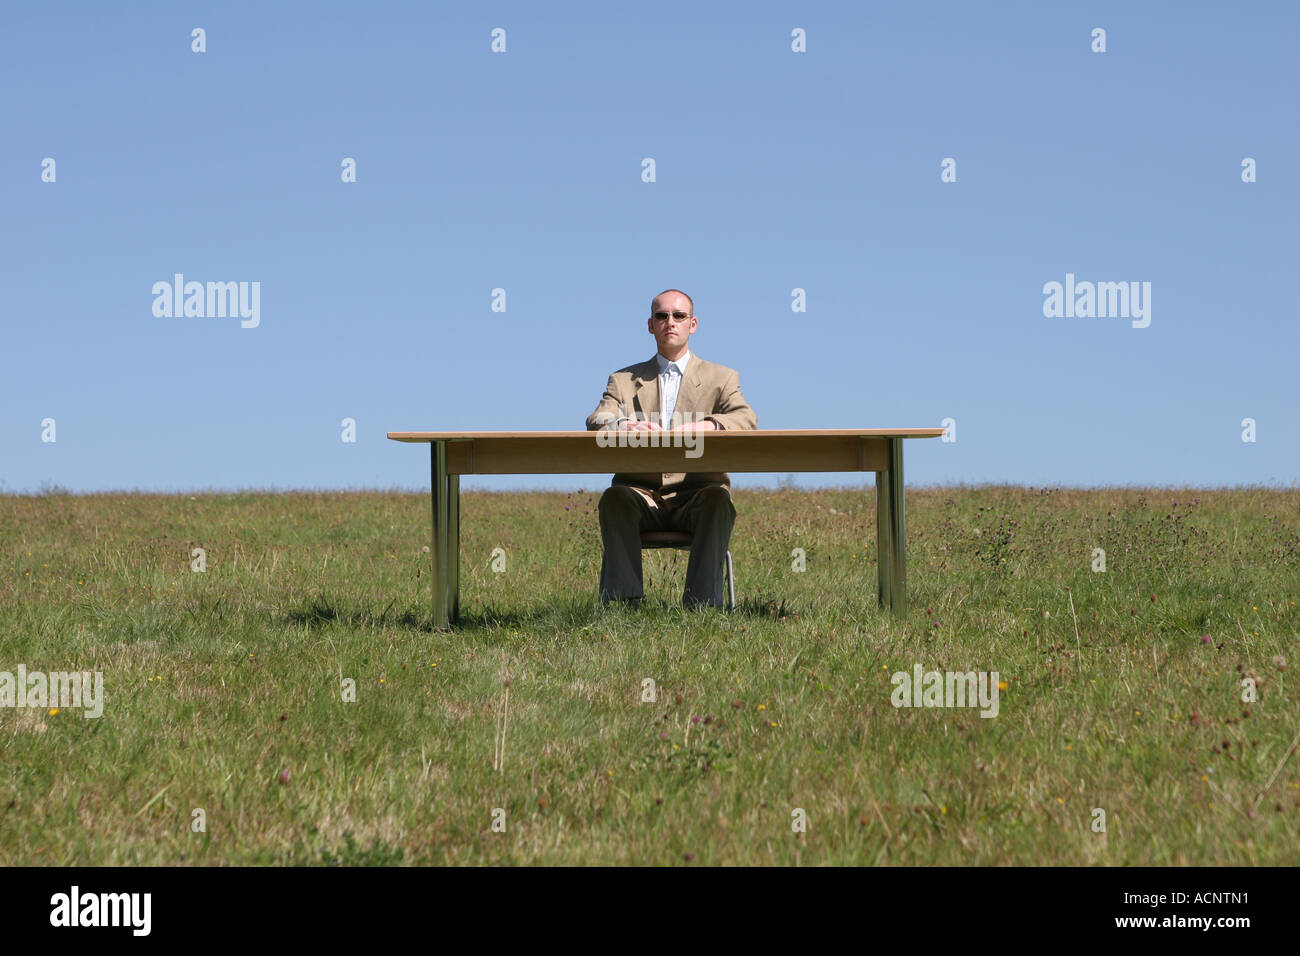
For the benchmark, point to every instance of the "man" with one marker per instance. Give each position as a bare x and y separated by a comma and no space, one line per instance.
654,395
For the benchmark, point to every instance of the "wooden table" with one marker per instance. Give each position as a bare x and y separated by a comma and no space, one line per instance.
453,454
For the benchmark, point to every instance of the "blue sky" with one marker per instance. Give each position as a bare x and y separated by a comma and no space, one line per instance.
775,170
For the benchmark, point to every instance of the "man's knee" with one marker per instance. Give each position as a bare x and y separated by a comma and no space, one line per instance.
617,498
621,507
715,498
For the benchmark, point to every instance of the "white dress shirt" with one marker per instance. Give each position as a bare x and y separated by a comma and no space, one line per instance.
669,387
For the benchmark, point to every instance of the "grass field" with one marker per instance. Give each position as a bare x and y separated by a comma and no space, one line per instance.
224,690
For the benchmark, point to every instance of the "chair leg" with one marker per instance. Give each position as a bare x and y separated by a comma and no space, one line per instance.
731,581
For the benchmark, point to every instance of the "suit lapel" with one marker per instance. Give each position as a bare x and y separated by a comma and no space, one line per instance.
646,399
688,395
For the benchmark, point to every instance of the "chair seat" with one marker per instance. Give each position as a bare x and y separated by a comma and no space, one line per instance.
666,539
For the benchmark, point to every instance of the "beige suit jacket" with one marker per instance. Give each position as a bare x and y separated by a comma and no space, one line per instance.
706,389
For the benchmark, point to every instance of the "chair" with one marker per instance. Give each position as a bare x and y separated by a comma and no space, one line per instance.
681,540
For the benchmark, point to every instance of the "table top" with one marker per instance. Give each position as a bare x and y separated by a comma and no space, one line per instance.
744,434
667,452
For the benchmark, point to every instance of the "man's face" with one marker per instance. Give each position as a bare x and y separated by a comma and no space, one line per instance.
672,323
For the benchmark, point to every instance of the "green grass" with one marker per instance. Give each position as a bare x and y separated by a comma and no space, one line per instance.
217,682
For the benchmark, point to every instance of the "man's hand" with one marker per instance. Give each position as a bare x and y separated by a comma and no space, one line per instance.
651,426
702,426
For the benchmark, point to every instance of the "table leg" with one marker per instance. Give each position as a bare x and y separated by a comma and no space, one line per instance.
891,533
453,543
445,549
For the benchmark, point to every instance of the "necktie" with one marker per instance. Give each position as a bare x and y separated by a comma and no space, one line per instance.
672,381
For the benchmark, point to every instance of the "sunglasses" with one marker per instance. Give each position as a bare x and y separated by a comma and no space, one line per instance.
677,316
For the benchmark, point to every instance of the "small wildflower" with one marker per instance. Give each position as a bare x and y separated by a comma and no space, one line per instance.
762,706
54,711
1002,685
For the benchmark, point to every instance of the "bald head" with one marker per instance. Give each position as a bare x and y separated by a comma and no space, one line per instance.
671,295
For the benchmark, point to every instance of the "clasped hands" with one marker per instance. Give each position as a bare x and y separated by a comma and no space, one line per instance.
650,426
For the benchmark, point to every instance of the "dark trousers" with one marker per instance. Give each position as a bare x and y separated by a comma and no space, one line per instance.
707,513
